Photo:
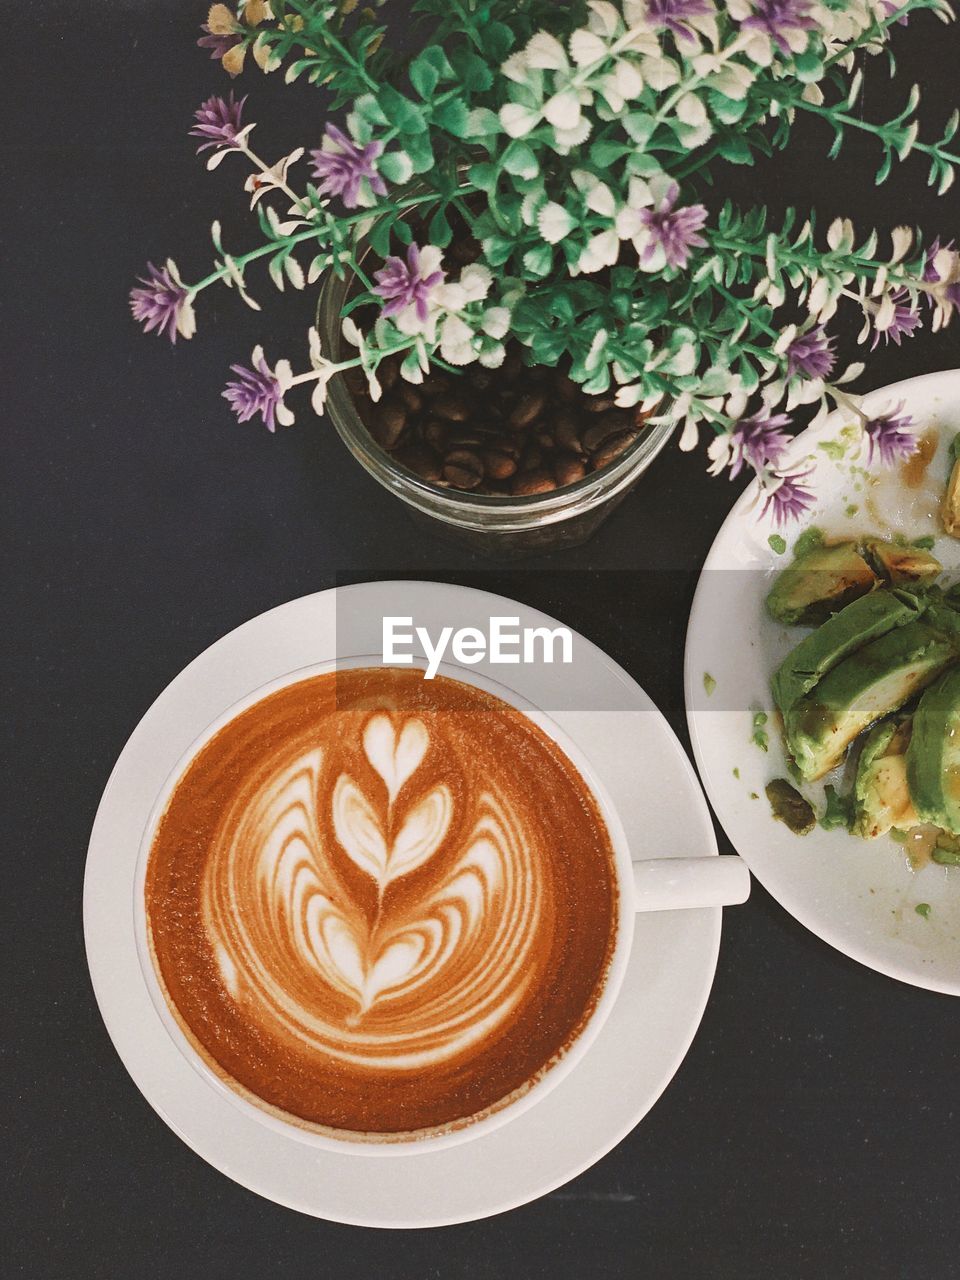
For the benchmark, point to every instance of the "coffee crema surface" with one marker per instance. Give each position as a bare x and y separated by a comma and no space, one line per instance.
379,905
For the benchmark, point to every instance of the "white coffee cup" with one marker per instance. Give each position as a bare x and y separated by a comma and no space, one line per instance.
643,884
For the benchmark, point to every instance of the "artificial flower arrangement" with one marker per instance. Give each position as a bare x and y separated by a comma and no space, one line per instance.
576,141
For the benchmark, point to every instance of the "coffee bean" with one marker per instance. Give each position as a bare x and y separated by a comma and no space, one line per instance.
530,482
566,388
451,407
387,422
609,425
507,445
567,429
512,365
497,465
357,384
480,377
544,439
527,410
530,458
567,468
599,404
423,462
436,433
612,448
466,437
436,383
410,397
462,469
388,372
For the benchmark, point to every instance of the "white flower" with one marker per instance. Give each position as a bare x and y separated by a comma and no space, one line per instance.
519,120
546,52
601,250
261,184
554,222
496,322
457,341
586,47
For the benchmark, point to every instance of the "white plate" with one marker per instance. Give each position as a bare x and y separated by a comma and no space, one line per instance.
671,969
860,896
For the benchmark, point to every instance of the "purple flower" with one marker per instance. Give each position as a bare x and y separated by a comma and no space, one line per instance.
408,284
672,230
162,303
219,43
675,15
906,318
931,275
343,164
260,390
218,121
811,354
891,436
758,441
789,499
890,8
779,19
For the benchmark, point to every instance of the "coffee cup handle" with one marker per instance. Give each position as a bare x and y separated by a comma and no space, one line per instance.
673,884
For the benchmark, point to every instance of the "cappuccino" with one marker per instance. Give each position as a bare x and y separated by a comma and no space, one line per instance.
380,907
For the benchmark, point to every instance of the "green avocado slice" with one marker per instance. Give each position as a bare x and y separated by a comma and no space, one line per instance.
933,757
902,566
819,582
881,791
873,682
854,626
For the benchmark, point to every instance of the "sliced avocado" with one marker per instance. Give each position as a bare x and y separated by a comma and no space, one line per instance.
933,758
901,565
873,682
820,581
881,792
854,626
950,507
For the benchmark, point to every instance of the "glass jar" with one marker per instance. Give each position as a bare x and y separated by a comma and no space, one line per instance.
494,525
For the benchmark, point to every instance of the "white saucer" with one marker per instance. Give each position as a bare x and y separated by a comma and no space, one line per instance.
858,895
639,1048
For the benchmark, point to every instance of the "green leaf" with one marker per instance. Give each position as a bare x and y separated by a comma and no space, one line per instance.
396,167
400,111
539,260
482,123
497,250
454,117
727,110
497,40
606,152
368,107
439,231
471,71
380,235
735,148
428,69
418,148
519,159
809,66
639,126
484,176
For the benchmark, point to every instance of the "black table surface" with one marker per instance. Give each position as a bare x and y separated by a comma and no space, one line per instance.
812,1129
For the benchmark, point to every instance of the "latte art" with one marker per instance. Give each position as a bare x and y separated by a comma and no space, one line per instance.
411,982
381,906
